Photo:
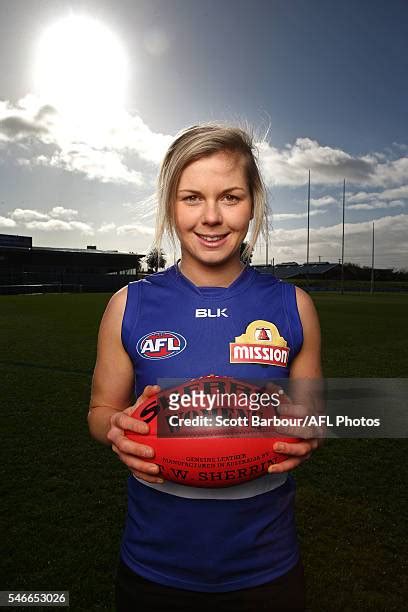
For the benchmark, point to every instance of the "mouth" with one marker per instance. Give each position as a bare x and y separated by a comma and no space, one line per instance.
212,240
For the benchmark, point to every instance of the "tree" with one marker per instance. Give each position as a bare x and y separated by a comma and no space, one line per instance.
155,260
248,258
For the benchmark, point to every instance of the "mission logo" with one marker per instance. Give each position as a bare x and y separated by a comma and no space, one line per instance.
161,345
261,343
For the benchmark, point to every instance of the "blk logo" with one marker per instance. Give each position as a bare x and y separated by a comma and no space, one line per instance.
210,313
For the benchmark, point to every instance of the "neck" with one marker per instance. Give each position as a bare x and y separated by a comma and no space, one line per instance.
204,275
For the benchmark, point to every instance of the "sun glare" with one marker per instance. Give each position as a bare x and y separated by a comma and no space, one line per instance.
81,68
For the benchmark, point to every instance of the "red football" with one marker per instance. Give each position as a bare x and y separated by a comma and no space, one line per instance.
213,431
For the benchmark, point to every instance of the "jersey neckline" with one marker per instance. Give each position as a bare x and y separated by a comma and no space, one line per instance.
242,282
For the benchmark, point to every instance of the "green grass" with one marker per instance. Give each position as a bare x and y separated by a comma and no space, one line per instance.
364,335
64,495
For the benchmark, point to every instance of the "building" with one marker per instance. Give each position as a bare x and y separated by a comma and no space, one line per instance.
313,270
25,268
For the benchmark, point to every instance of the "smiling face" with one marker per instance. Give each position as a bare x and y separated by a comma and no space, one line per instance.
212,212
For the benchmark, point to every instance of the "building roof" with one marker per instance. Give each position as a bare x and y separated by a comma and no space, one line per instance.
16,253
293,269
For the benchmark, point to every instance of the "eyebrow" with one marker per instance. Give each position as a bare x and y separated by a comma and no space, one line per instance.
224,191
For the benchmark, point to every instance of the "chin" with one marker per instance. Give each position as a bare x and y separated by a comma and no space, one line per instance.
216,259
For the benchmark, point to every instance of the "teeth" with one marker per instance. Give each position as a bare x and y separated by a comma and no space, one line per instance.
211,238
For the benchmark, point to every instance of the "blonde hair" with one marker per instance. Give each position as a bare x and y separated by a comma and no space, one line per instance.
192,144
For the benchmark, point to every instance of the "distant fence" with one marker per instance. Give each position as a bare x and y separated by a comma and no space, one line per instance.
359,286
67,283
39,288
109,283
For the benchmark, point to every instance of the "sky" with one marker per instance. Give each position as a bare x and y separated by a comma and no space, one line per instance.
93,92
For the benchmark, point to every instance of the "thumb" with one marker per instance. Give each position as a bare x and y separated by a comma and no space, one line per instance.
148,392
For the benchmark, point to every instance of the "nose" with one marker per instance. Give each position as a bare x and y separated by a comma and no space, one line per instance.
212,214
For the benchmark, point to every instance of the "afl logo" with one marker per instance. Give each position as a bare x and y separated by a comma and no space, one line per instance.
161,345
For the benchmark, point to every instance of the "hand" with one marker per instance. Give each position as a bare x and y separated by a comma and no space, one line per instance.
301,451
131,453
311,437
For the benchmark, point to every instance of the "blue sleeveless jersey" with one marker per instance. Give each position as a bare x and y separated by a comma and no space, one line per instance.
210,539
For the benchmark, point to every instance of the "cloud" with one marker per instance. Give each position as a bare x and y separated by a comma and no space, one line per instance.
374,205
389,198
324,201
135,228
23,215
392,172
102,165
59,212
130,133
58,225
6,222
401,146
391,239
106,227
361,196
84,228
303,215
58,219
397,193
23,120
126,151
52,225
289,166
15,128
100,151
118,149
44,112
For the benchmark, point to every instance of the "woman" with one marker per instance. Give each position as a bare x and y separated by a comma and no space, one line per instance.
186,547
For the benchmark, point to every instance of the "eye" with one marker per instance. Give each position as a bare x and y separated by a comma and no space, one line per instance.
191,199
231,198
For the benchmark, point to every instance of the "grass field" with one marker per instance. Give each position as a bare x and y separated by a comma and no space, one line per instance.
63,495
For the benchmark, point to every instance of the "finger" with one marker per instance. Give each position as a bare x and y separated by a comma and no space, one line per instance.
293,410
135,463
129,447
152,479
129,457
148,391
298,449
288,464
124,421
297,431
284,466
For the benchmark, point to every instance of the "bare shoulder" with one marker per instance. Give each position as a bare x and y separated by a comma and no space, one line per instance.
306,307
115,308
110,328
307,363
118,299
112,383
308,317
303,298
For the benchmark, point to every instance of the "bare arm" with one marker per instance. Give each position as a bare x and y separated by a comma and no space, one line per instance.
306,365
112,397
113,378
